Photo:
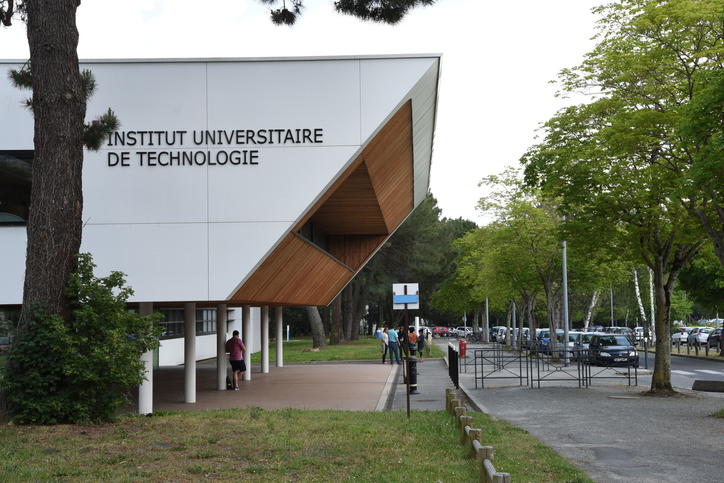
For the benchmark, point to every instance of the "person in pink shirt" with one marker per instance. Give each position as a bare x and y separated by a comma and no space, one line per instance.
235,348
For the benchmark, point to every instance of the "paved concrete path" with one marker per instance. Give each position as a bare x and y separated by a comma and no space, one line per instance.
356,387
432,380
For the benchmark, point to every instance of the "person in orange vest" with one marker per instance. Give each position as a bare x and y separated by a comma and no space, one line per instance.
412,341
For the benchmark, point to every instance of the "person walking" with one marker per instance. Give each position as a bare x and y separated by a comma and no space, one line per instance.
393,345
412,341
428,343
421,343
385,340
235,348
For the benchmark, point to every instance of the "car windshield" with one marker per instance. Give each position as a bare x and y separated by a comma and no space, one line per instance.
586,338
707,330
614,340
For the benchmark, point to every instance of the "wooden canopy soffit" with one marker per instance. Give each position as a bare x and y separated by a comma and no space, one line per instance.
340,232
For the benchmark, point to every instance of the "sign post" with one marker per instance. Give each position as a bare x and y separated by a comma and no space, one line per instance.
406,296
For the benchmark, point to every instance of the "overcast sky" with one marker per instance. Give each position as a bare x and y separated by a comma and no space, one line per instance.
498,59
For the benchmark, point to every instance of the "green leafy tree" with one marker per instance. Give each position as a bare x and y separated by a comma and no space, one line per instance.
703,280
618,162
79,370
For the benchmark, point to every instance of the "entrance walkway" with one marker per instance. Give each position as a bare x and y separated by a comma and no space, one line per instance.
356,387
432,380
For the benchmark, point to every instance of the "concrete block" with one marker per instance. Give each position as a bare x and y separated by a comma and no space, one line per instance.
708,385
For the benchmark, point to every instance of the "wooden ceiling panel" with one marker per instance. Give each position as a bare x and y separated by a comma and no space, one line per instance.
352,209
354,250
296,273
389,162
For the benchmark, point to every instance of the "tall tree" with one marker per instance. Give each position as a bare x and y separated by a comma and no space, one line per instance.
618,163
315,321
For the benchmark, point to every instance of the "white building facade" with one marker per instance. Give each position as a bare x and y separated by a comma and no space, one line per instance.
235,183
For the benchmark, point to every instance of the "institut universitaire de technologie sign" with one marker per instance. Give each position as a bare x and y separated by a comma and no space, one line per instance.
239,146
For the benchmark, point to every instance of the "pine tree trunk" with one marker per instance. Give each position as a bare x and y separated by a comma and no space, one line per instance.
315,321
360,296
335,329
56,202
347,310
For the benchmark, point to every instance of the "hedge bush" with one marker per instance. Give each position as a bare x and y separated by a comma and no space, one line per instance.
79,370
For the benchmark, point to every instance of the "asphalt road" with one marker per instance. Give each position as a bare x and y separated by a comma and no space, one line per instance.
684,370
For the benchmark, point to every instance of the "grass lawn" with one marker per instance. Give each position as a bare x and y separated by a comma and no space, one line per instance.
523,456
360,350
282,445
719,414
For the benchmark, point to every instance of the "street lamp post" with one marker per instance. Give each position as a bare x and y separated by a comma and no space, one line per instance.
565,304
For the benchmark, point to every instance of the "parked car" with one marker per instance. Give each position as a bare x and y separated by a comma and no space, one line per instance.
583,339
494,333
462,331
544,339
698,335
680,335
440,331
612,350
714,338
572,336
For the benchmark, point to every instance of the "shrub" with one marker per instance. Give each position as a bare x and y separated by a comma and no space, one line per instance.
79,370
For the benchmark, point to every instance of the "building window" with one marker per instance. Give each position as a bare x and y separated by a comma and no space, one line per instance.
15,176
205,321
172,323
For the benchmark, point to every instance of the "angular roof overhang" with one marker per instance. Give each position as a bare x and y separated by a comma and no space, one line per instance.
349,222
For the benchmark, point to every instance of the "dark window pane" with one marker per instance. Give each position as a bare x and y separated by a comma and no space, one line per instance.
14,186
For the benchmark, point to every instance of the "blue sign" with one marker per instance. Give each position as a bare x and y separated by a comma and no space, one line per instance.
405,299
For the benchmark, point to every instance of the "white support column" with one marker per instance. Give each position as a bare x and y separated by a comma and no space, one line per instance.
265,339
280,335
145,390
190,352
246,338
221,347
